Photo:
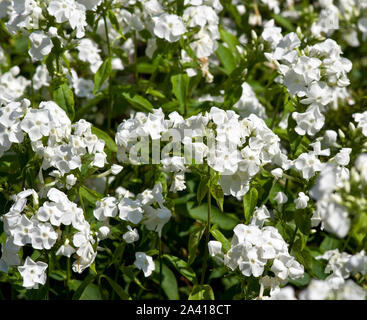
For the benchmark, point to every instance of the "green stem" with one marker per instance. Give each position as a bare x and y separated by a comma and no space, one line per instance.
135,57
109,104
207,229
81,201
293,238
271,189
160,267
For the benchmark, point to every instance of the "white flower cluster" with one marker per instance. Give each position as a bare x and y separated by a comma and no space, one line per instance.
330,207
36,226
343,265
236,149
66,144
334,13
317,74
249,104
361,120
12,86
319,290
254,248
147,208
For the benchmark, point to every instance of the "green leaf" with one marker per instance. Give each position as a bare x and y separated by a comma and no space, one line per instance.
330,243
86,282
225,221
155,93
202,189
91,292
219,236
301,282
116,287
138,102
169,282
63,96
194,240
230,39
102,74
115,23
180,88
303,222
202,292
249,203
217,193
90,195
110,144
283,22
182,267
226,58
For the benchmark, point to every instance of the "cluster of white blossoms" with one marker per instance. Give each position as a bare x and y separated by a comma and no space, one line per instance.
12,85
361,120
41,227
319,290
337,286
235,148
256,249
316,74
335,14
36,225
66,144
249,104
26,14
146,208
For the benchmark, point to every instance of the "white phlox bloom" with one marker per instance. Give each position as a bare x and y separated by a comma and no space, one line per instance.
41,45
169,27
144,263
33,273
253,247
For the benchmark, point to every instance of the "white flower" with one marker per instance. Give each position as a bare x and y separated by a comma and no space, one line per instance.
301,201
103,232
70,181
23,232
318,93
155,219
116,169
334,217
178,183
252,264
308,164
36,124
89,52
61,9
66,249
277,173
145,263
131,236
169,27
33,273
281,197
44,236
309,122
342,158
215,248
9,255
50,211
106,207
41,45
130,210
41,77
285,48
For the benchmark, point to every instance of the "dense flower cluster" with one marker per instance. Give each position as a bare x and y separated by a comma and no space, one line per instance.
236,148
142,140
